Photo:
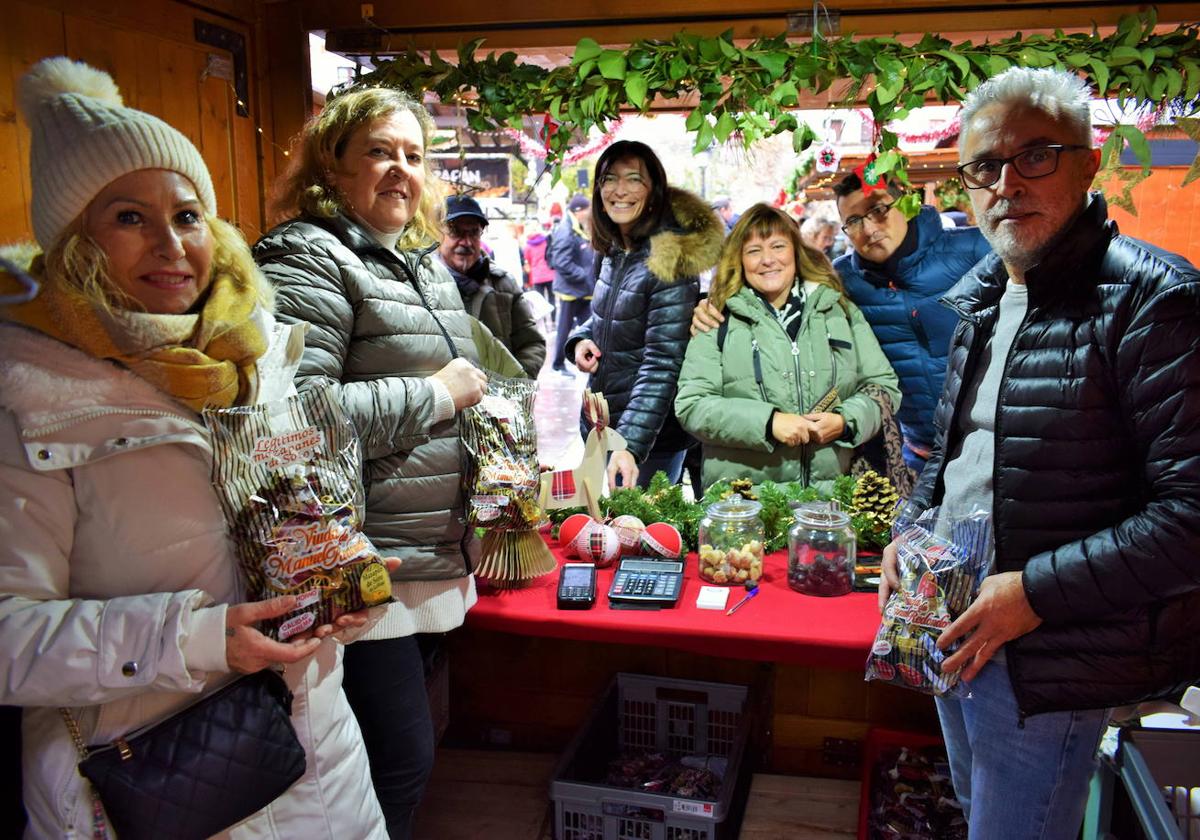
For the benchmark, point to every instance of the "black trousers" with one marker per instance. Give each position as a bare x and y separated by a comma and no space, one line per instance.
570,314
385,684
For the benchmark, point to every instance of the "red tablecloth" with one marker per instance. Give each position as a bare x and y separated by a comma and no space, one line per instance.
778,625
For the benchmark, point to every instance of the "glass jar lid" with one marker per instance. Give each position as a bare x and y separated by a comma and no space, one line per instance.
734,507
822,515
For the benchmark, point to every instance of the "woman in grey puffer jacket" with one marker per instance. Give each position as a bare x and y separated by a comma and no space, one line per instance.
387,325
656,240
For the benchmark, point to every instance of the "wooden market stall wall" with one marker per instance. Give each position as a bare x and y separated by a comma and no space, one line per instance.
176,60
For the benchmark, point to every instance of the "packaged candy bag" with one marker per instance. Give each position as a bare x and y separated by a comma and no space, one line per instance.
501,482
289,476
940,572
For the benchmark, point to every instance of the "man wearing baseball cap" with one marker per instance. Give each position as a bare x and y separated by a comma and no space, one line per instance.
489,293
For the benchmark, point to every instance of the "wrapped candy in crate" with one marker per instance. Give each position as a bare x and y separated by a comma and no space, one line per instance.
658,759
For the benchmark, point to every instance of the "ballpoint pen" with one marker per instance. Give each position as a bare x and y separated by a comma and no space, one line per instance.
751,591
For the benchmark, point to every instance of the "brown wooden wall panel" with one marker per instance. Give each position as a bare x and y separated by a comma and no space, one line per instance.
30,33
215,140
150,50
1168,215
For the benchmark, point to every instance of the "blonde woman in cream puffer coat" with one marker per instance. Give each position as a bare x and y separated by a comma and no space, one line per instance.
120,597
114,581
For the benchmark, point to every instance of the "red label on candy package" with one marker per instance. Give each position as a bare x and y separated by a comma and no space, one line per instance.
289,448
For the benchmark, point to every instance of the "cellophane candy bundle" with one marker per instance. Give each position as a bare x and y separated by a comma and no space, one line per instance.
941,566
502,480
912,797
289,477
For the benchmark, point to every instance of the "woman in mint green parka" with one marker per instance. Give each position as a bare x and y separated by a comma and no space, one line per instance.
793,379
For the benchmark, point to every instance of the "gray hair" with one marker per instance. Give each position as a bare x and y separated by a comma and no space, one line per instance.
813,224
1059,94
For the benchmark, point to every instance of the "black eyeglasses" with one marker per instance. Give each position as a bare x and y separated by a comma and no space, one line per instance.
876,214
1037,162
472,232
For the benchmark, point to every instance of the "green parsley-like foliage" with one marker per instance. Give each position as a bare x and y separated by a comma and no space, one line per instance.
750,92
664,502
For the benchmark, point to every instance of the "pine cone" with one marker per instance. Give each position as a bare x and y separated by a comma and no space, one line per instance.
875,495
744,487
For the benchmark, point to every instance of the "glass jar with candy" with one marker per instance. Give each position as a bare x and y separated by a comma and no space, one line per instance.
731,542
821,551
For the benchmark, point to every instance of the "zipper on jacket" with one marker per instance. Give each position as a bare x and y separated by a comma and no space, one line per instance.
616,279
54,428
939,486
805,468
996,436
758,374
412,278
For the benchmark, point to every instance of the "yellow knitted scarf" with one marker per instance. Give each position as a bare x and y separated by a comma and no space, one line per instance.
203,359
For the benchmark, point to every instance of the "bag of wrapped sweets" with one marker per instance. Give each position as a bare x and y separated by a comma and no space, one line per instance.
289,477
941,565
501,481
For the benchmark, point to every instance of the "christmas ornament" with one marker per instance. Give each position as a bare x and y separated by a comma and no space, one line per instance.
549,127
569,530
598,544
629,531
871,180
583,485
662,540
828,157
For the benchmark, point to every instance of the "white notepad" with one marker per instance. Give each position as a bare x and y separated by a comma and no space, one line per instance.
712,598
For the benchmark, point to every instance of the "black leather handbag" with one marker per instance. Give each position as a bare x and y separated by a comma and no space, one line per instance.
201,770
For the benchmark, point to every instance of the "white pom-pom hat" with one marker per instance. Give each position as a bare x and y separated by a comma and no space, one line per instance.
84,138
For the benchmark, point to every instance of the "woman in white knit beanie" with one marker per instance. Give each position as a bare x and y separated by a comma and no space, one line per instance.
119,594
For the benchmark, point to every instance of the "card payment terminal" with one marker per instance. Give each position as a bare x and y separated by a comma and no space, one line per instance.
576,586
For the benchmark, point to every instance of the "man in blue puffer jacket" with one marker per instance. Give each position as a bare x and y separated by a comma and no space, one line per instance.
896,273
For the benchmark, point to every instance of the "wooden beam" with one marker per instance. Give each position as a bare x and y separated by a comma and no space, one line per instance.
288,85
549,23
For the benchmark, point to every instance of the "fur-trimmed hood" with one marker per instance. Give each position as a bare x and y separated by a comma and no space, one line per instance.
44,381
691,246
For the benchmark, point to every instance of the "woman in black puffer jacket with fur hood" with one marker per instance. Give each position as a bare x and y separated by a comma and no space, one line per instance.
655,241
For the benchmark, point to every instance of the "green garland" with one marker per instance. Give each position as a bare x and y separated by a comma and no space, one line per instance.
749,91
663,501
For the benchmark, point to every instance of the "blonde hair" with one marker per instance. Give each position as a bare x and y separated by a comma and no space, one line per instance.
305,189
763,221
79,264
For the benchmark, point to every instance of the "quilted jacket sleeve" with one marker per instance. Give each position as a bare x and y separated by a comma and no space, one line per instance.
1153,554
61,650
391,414
668,318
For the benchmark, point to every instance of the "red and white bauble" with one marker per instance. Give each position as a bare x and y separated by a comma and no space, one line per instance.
662,540
629,532
569,530
598,544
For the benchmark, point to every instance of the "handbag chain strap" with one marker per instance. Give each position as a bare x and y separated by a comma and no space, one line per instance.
99,826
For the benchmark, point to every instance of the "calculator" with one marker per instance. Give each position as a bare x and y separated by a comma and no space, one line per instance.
644,580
